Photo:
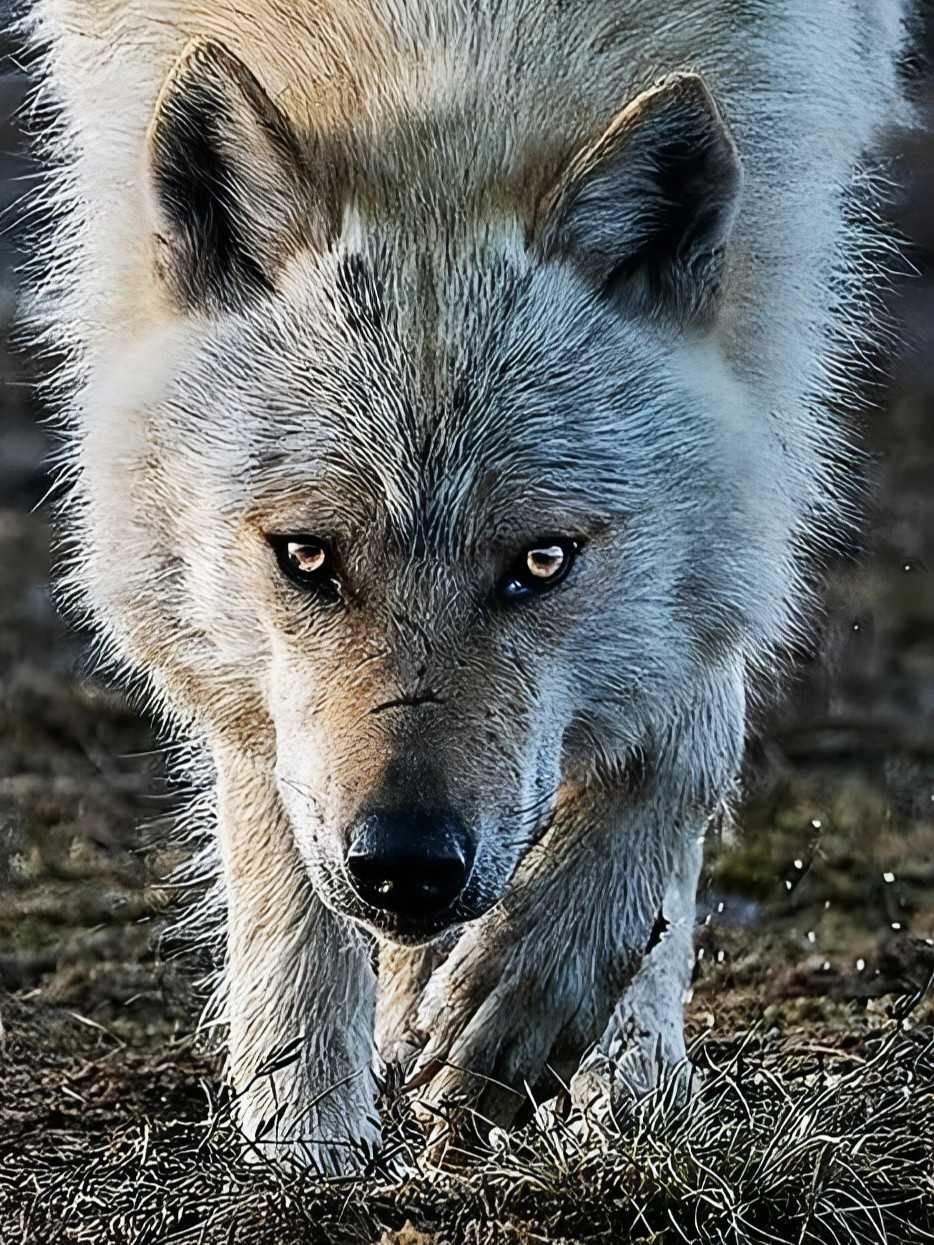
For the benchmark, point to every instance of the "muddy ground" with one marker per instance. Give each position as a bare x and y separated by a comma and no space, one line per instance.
817,912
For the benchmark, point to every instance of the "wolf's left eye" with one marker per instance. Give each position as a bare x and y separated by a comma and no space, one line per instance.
539,568
306,561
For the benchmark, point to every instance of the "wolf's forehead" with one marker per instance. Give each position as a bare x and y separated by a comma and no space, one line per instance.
430,391
454,478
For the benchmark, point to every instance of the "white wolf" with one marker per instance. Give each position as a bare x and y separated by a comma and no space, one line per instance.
453,405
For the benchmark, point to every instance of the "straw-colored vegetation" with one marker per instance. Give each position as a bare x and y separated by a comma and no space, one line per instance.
822,1139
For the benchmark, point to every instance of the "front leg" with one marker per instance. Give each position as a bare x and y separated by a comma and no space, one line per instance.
300,990
404,972
644,1038
534,982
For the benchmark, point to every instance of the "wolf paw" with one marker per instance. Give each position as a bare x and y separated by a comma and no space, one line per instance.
334,1132
492,1020
625,1070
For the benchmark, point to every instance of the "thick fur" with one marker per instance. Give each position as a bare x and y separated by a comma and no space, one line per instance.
439,278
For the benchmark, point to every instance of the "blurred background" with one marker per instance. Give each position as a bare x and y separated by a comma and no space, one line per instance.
818,904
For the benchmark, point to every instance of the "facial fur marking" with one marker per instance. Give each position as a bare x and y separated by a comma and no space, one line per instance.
409,702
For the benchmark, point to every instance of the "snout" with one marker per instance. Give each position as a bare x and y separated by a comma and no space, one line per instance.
410,863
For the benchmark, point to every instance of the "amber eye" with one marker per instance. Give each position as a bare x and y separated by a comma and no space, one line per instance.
546,563
542,566
307,561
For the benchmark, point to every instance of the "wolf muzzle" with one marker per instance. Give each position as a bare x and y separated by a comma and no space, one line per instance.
411,863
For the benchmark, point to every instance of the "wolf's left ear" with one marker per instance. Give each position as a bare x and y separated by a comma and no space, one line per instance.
646,212
225,174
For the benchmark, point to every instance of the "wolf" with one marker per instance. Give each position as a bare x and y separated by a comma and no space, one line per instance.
455,402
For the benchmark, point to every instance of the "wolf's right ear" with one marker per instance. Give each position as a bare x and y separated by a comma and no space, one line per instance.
645,213
225,172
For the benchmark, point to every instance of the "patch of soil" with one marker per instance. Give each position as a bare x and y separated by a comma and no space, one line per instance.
819,1138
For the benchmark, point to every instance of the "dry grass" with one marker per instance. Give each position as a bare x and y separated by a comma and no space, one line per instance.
801,1140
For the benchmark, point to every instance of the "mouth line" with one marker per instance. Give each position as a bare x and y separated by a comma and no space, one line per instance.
417,930
409,702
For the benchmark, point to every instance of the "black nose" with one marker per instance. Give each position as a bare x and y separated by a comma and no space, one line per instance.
410,862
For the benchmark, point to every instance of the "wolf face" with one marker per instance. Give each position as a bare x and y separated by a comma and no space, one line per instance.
477,510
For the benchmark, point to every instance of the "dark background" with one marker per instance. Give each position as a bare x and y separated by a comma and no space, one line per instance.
818,904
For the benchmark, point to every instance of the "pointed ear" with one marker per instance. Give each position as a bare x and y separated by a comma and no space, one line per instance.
646,212
226,177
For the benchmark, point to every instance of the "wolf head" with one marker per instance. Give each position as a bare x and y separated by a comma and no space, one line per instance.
450,503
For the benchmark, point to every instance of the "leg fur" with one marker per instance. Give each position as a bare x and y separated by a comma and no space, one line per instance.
645,1034
403,974
536,981
300,989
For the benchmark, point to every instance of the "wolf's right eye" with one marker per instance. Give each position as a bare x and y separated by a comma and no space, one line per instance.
307,561
540,567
